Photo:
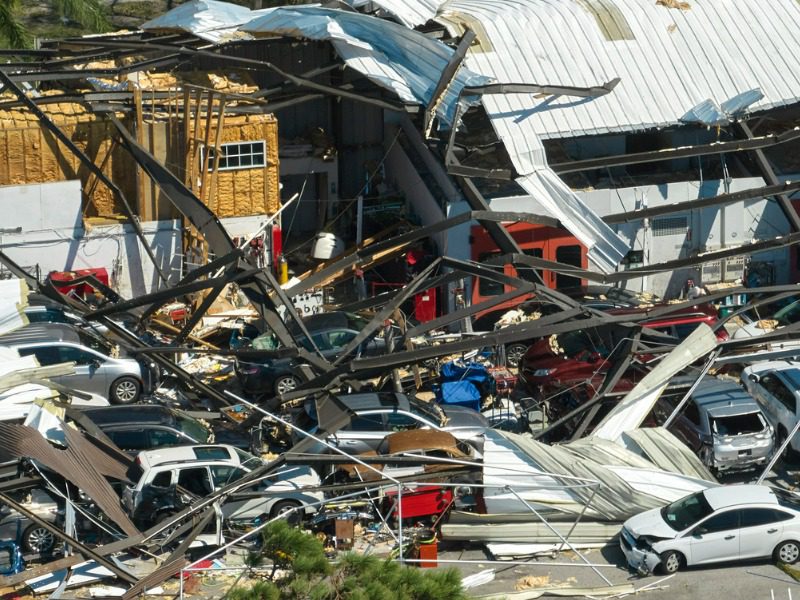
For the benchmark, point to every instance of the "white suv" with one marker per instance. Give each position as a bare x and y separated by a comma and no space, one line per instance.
166,474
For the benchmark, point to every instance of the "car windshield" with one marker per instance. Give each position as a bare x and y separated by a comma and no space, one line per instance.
248,461
788,314
575,343
429,410
738,424
787,499
192,427
687,511
95,343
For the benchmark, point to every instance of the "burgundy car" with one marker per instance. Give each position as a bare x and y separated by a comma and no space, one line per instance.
559,361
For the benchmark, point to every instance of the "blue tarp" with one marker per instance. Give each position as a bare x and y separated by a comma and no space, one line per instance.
463,384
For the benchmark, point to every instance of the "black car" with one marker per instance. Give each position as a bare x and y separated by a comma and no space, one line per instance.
144,427
331,332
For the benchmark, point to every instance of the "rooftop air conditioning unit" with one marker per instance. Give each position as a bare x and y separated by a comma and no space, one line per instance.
711,272
733,268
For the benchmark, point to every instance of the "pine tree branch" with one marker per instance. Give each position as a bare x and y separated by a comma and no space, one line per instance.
10,26
89,13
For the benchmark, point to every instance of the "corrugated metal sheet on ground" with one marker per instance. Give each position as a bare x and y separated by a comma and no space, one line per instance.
626,487
533,531
666,451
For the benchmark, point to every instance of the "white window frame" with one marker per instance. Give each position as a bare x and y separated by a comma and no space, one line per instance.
208,156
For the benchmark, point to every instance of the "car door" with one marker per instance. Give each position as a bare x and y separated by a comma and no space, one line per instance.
90,374
247,508
768,390
760,530
714,539
364,432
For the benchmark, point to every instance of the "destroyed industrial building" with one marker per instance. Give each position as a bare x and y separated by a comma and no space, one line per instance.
411,276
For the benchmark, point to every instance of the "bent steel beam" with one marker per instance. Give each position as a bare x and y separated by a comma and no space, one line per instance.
635,158
87,162
766,191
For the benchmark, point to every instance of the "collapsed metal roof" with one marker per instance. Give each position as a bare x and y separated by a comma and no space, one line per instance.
411,65
669,60
207,19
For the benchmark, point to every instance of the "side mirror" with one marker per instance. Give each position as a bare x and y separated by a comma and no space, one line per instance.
95,364
753,377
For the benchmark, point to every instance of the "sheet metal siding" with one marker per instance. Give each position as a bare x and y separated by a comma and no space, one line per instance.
81,462
296,121
677,59
360,134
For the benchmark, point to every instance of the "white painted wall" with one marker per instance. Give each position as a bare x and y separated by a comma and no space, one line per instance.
52,236
710,228
743,222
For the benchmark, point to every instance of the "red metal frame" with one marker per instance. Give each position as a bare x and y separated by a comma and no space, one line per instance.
539,239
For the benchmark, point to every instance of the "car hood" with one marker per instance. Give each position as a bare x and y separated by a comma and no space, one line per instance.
651,524
461,416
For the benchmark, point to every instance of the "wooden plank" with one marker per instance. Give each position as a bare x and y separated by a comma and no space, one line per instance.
204,149
217,140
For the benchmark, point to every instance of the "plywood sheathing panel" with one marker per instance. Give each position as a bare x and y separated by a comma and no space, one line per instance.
246,192
30,154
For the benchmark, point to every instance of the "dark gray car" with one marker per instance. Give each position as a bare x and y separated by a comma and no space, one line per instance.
377,414
149,426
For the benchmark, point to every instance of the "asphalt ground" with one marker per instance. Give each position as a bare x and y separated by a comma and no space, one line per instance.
730,581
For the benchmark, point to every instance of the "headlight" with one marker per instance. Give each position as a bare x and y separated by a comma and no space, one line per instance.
643,543
543,372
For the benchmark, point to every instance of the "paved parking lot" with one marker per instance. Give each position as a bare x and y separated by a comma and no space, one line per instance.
745,581
734,581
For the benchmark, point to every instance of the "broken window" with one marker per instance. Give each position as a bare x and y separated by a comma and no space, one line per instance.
238,155
738,424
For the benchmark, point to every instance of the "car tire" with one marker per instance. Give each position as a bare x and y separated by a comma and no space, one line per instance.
790,455
38,539
125,390
514,354
671,562
285,384
283,507
787,552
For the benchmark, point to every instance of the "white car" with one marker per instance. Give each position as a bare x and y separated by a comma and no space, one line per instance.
171,477
776,386
720,524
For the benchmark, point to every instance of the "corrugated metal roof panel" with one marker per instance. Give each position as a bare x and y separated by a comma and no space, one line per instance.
391,55
207,19
669,61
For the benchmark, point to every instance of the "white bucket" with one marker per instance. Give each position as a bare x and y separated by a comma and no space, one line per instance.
327,246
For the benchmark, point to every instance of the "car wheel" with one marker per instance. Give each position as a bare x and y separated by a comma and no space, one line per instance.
284,509
787,552
514,354
125,390
789,455
671,561
285,384
38,539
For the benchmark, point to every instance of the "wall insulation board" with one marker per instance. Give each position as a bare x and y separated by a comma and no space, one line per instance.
246,191
30,154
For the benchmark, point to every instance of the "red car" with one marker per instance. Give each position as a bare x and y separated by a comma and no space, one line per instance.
581,356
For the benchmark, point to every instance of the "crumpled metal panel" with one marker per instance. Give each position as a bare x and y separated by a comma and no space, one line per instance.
637,404
402,60
666,451
626,487
207,19
673,60
80,462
